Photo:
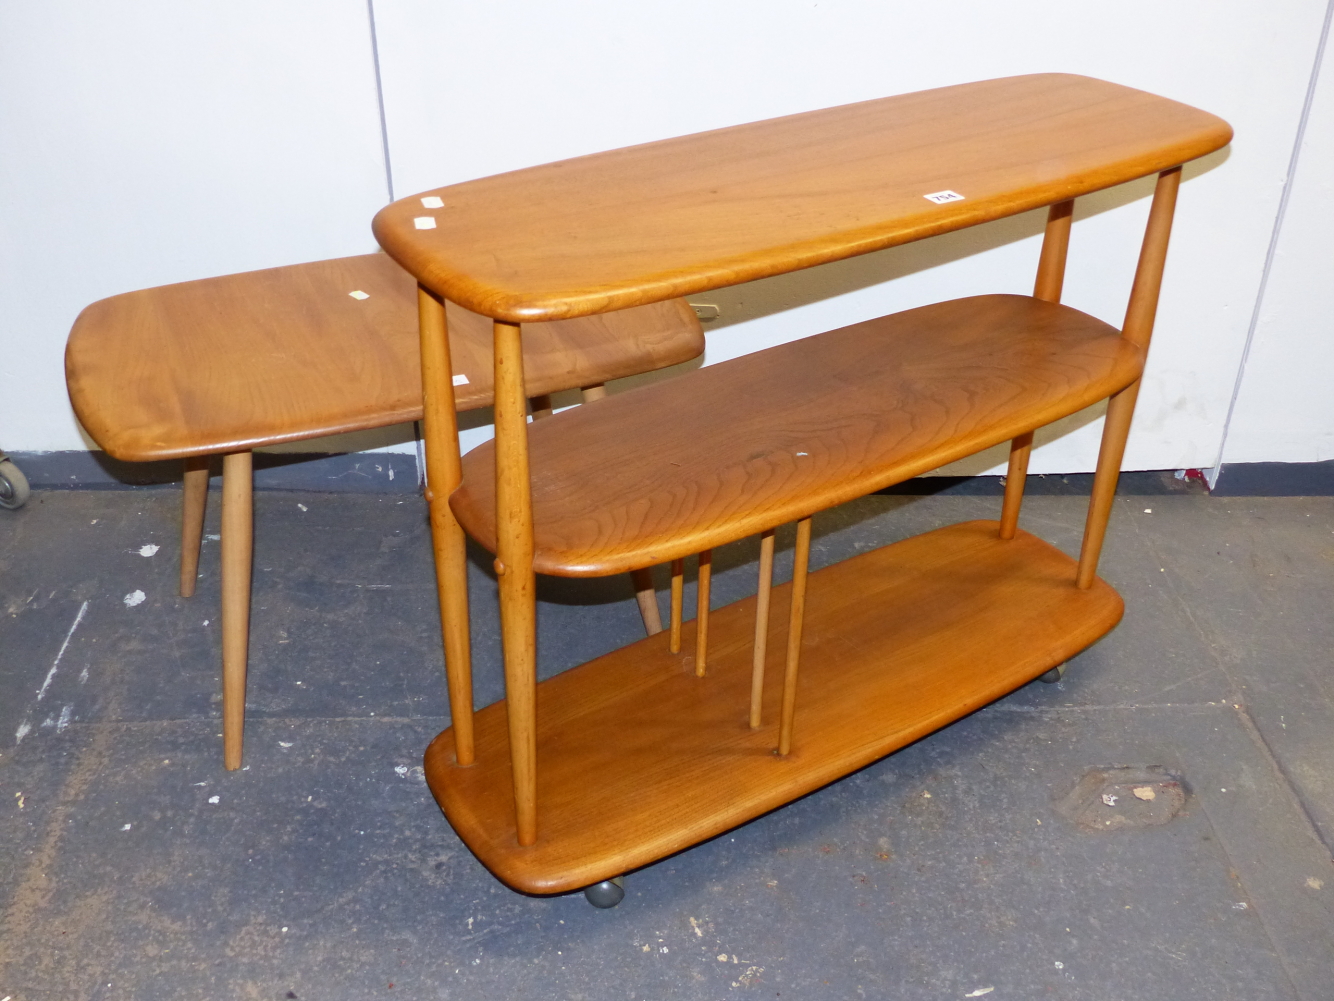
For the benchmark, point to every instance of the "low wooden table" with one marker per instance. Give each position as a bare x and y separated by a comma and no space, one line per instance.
221,366
646,751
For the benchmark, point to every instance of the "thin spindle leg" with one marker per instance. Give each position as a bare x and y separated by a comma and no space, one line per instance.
678,596
1047,286
702,612
800,565
443,474
238,546
647,598
1020,449
1138,329
514,568
194,496
761,626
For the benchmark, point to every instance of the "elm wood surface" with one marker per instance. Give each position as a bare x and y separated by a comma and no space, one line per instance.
684,215
638,758
736,448
229,364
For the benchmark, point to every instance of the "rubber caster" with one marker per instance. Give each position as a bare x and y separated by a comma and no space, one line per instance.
608,893
13,486
1054,675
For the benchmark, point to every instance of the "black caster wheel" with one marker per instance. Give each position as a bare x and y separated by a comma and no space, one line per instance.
13,486
1054,675
608,893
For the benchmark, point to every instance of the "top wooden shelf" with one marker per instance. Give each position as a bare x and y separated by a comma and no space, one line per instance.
676,217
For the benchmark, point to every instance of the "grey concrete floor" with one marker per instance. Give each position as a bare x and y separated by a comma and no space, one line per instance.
134,867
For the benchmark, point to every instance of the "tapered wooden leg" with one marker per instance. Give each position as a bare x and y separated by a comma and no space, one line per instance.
678,596
1047,286
597,391
514,568
443,473
1020,449
647,597
702,612
237,553
541,406
800,565
761,626
1138,329
194,495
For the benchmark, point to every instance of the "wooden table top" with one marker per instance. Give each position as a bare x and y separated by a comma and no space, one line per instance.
232,363
680,216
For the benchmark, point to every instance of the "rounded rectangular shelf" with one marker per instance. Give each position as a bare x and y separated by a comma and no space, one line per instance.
732,449
638,758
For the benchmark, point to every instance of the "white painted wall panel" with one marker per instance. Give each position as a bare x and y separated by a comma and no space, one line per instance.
1285,407
473,89
156,141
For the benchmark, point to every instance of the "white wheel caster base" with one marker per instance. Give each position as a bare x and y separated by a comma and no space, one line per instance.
608,893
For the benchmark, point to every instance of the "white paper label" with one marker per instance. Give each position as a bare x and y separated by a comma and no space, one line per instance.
358,294
424,222
941,197
433,202
460,380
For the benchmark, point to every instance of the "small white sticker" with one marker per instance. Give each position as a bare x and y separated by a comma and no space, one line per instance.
433,202
460,380
358,294
941,197
134,598
424,222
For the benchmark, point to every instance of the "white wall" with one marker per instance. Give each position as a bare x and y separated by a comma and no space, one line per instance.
472,89
155,141
152,142
1285,405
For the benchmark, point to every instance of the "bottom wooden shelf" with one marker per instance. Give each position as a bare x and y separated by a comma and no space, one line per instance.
637,758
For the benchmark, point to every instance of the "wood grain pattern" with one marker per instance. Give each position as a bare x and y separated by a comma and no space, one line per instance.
680,216
229,364
638,758
796,429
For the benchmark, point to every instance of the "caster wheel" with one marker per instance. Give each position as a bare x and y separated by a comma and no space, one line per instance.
1054,675
13,486
608,893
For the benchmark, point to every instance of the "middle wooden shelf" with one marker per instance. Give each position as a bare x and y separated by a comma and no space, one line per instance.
775,436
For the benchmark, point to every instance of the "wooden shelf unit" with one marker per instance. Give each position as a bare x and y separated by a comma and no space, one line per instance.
650,749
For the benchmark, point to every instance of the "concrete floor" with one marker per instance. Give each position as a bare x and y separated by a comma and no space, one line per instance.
133,867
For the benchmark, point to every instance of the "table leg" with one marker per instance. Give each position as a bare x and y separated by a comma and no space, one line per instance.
194,496
237,558
800,565
514,568
702,612
443,474
1138,329
761,626
678,597
1047,286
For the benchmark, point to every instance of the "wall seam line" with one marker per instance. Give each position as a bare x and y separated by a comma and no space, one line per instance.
1272,250
379,98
